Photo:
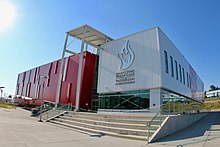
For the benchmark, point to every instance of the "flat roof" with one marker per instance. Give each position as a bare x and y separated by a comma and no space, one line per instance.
93,37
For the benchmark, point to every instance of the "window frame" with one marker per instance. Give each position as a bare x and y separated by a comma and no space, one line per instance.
184,81
166,62
171,63
187,79
180,71
177,76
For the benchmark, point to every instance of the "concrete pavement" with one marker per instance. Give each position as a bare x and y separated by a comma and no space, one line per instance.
18,129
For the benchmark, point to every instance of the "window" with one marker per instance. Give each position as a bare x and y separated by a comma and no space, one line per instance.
187,79
35,74
180,73
49,73
176,69
166,61
24,75
125,100
190,81
183,76
49,69
171,64
56,66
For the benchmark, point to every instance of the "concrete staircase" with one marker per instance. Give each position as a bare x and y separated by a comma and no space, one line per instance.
126,126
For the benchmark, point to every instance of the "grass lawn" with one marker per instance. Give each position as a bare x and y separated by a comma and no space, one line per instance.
212,99
7,105
212,106
211,103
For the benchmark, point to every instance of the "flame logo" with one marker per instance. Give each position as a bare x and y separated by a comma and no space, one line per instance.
126,56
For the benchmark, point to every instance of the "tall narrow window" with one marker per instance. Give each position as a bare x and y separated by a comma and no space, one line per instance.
55,68
49,73
171,64
166,61
180,73
176,69
17,91
24,75
49,69
35,74
183,76
190,84
187,79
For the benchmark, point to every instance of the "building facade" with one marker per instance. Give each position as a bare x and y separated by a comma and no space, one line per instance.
30,86
143,71
212,93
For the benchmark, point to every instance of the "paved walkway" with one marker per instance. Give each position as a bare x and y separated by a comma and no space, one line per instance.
204,133
18,129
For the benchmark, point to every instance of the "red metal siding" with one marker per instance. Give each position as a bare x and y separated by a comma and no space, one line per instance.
20,83
33,82
71,77
68,85
87,80
50,90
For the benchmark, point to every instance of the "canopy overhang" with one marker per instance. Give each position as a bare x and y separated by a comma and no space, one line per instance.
92,36
88,36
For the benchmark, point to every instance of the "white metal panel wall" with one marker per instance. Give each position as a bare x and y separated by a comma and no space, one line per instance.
146,64
170,82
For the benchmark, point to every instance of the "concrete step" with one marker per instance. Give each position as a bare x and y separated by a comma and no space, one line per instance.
124,131
154,127
135,137
110,119
122,116
106,123
156,122
160,118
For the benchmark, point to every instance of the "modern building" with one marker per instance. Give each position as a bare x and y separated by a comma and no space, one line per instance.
141,71
212,93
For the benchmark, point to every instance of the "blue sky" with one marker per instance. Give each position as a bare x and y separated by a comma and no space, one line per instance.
37,34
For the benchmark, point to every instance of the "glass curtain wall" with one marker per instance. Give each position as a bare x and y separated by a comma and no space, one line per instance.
177,104
125,100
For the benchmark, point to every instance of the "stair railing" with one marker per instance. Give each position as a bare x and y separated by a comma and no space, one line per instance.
166,110
56,111
61,110
158,115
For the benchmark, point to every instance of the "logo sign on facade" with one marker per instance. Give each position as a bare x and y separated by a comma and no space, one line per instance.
126,56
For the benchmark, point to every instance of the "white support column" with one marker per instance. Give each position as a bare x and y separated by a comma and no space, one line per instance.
60,73
155,100
80,70
87,46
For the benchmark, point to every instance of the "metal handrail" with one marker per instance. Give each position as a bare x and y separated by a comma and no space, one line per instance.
55,112
60,110
184,111
150,122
